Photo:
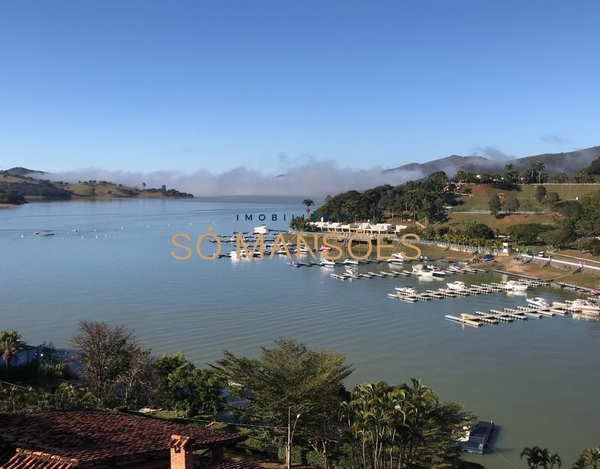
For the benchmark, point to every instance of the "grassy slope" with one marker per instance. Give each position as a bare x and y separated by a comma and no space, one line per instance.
96,191
481,194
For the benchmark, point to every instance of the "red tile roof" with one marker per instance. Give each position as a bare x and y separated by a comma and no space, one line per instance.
24,459
94,436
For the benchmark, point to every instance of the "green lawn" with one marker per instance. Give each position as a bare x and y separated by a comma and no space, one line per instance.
481,194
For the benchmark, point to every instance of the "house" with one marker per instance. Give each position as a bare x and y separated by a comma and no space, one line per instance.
23,354
103,439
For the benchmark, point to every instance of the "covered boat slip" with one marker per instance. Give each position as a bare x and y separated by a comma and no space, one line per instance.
479,436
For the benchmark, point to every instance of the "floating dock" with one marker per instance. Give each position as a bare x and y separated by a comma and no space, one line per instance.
478,437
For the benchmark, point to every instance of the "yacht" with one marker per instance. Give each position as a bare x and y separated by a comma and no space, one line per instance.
327,263
586,306
422,271
262,229
351,261
396,259
457,285
538,302
324,248
406,290
437,272
516,286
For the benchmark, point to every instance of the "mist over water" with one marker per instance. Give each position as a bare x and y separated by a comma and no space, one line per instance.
311,179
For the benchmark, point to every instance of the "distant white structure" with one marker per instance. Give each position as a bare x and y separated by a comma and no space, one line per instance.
371,229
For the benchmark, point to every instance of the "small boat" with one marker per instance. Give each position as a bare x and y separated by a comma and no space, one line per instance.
262,229
324,248
351,261
406,290
458,286
327,263
293,264
538,302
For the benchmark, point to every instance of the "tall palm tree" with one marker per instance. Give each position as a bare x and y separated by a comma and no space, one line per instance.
309,203
536,169
8,342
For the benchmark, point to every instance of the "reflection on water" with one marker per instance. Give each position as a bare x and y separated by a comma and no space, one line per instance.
537,379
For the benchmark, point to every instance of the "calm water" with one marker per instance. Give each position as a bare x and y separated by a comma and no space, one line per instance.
538,379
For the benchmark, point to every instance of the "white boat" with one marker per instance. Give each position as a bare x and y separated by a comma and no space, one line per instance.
262,229
327,263
406,290
586,306
538,302
422,271
516,286
324,248
351,261
458,286
396,259
437,272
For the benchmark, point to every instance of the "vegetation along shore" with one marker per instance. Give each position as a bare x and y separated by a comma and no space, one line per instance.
375,425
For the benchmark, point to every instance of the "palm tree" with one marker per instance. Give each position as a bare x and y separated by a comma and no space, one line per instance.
537,169
308,203
8,342
554,460
536,456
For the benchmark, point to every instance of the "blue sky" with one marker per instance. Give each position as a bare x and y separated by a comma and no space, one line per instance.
209,85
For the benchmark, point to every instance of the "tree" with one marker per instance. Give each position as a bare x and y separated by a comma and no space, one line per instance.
591,457
476,230
495,205
9,340
144,185
289,376
396,426
540,193
113,361
552,199
309,203
511,204
536,457
510,174
188,389
554,460
559,178
537,170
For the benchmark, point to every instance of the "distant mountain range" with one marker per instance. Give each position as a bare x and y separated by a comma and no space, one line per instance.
570,163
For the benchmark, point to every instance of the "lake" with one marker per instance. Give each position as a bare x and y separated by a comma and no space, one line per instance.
538,380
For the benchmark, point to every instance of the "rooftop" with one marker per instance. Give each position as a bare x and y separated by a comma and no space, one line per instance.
94,436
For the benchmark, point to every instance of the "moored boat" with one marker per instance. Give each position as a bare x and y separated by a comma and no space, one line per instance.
538,302
457,285
516,286
406,290
586,306
262,229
